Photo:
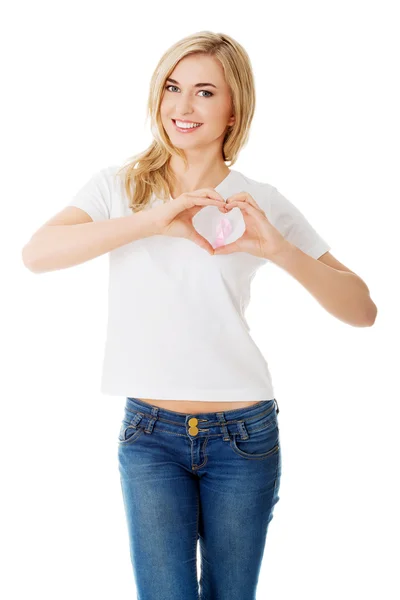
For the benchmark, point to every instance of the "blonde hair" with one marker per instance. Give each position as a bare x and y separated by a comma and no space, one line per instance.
148,172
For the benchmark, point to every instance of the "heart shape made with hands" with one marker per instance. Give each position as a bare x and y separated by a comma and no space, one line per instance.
223,227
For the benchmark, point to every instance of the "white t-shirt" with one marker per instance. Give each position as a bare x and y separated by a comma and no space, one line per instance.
176,314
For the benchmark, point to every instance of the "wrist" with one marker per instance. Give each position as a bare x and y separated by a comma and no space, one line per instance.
284,252
148,223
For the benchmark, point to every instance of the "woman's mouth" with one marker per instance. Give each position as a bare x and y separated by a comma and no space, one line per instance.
190,127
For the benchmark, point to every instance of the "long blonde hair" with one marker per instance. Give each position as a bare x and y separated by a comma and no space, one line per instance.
148,172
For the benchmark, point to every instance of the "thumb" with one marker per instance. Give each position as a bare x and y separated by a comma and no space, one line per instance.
227,249
201,241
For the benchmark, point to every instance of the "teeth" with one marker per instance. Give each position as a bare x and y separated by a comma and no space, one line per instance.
187,125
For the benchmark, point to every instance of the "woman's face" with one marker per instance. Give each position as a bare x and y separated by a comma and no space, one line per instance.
184,99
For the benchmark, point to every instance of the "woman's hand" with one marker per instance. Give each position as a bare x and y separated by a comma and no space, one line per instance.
174,218
260,237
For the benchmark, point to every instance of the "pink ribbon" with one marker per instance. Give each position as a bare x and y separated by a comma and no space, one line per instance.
223,229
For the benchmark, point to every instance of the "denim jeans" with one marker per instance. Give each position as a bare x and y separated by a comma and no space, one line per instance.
212,477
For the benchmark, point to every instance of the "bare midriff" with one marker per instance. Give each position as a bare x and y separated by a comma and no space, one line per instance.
193,407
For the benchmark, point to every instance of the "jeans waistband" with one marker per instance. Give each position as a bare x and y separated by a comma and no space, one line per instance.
220,419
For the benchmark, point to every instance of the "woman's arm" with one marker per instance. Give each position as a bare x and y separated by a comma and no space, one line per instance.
72,237
341,292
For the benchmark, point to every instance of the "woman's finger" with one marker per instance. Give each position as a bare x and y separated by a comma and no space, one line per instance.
249,208
209,192
227,248
206,193
243,197
191,201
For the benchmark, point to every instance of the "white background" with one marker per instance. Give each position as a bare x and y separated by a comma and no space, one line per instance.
326,133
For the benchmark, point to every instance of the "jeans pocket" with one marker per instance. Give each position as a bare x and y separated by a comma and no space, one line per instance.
130,429
260,444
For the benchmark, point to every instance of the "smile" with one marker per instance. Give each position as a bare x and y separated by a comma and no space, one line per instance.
189,127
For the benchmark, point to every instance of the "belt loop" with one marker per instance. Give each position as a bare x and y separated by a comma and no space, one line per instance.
222,422
153,419
277,407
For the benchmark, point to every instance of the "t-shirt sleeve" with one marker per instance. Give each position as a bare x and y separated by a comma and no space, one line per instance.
94,197
294,226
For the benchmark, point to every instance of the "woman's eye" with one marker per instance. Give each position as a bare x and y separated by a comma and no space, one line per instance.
206,91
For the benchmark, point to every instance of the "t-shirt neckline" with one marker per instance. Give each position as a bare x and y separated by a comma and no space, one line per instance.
221,184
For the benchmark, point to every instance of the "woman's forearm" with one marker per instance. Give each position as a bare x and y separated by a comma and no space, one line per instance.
56,247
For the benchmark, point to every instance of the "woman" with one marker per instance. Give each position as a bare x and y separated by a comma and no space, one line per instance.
199,449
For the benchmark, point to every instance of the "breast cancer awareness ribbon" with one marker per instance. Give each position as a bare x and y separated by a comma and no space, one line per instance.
223,229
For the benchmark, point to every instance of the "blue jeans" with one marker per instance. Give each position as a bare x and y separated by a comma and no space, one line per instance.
212,477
